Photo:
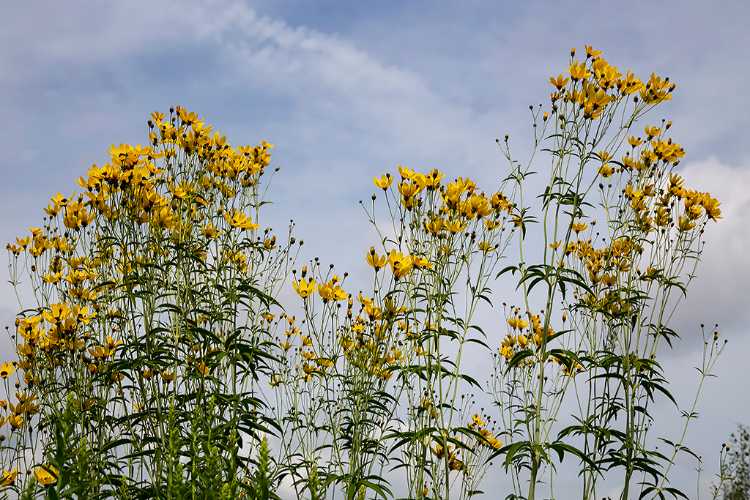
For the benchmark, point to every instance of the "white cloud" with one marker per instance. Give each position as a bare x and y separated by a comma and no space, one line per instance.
719,293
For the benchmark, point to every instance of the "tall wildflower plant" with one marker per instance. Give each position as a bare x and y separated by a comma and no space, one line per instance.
155,359
382,374
622,237
144,341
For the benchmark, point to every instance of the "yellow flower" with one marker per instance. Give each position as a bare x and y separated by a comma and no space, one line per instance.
657,89
711,205
383,182
506,352
685,224
485,246
23,242
500,203
210,231
84,316
203,369
182,190
593,100
303,287
408,189
591,52
15,421
648,158
607,76
492,224
606,170
373,312
401,264
476,206
6,370
668,151
376,261
331,291
493,441
422,263
58,202
124,155
240,220
517,322
100,352
187,117
477,421
309,369
676,184
163,217
455,464
434,225
56,314
406,172
14,249
324,362
630,84
8,478
455,226
604,156
453,191
432,180
570,371
559,82
46,475
635,141
652,132
578,227
77,216
663,217
578,71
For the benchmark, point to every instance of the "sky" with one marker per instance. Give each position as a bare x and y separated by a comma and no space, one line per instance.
348,90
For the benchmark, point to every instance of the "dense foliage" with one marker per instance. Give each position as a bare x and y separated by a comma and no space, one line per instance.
156,358
734,471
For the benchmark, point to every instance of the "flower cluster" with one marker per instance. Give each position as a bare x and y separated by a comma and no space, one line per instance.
594,85
521,336
160,247
479,424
